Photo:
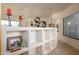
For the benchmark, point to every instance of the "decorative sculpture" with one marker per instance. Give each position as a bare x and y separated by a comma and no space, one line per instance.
39,23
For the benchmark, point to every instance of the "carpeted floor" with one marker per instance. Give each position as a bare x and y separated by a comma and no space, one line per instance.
64,49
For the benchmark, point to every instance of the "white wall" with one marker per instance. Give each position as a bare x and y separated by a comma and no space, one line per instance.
59,16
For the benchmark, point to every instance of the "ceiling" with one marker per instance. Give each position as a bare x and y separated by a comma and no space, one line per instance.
35,9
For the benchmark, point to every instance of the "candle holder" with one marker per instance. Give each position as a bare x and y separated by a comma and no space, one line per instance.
21,20
9,13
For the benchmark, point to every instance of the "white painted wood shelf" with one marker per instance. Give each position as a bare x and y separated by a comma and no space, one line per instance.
37,41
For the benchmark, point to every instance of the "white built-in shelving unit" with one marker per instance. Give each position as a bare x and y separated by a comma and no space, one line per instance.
36,41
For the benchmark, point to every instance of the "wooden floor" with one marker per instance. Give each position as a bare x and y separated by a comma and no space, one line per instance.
64,49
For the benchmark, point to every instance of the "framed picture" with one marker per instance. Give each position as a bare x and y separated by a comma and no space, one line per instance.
14,43
71,26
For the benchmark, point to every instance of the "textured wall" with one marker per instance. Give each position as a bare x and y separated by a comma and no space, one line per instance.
28,12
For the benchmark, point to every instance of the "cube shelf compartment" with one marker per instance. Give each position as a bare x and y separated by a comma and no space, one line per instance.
53,42
38,37
25,38
35,41
25,53
47,35
47,47
39,50
53,34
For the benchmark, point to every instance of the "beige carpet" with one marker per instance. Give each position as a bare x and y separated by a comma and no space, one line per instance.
64,49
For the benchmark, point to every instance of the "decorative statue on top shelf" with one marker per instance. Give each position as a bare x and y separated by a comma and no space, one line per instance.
43,24
38,23
52,23
21,20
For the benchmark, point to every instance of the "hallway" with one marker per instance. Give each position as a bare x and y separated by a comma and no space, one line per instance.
64,49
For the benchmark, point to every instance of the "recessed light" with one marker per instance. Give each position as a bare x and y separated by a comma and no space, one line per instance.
69,23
